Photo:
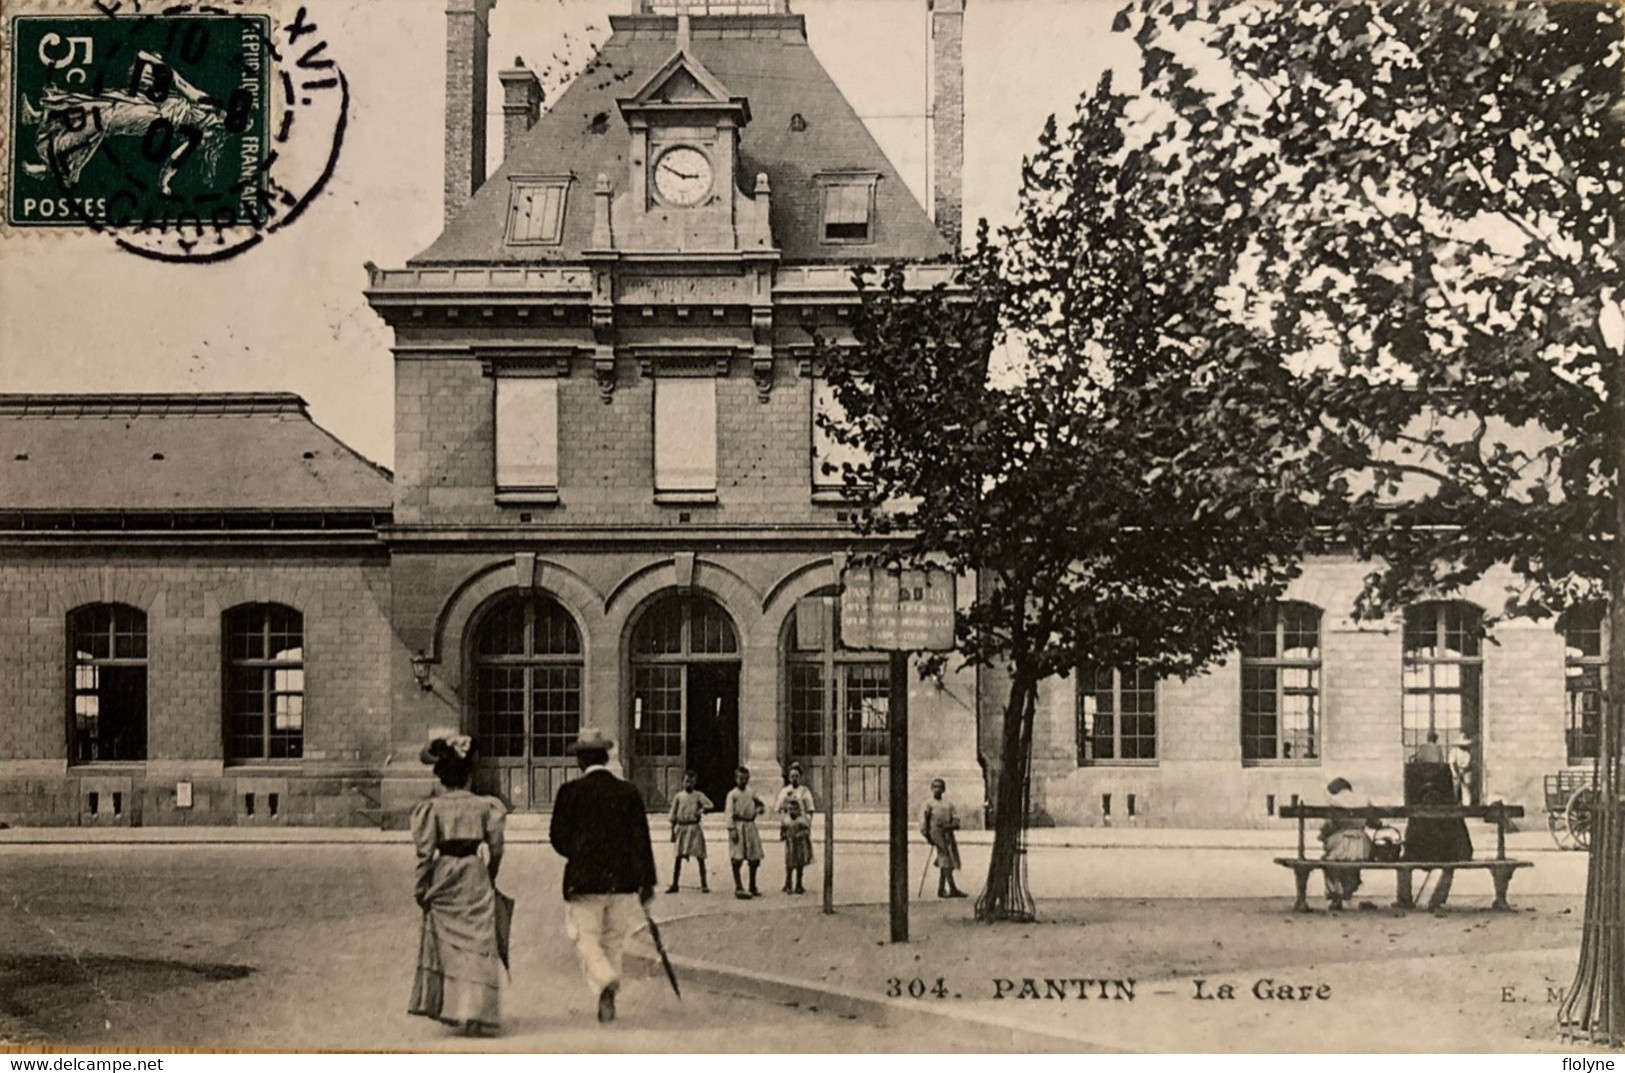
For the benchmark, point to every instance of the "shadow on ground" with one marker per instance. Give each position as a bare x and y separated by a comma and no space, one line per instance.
65,997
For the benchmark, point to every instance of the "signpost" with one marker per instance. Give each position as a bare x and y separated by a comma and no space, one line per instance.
890,611
898,612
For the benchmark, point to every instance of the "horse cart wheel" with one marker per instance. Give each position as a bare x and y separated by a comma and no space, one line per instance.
1578,815
1557,822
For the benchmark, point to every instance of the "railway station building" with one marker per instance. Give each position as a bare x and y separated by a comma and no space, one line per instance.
607,499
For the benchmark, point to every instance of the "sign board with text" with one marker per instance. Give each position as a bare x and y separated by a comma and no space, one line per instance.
897,611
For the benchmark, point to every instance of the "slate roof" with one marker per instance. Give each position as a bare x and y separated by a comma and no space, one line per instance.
764,59
178,452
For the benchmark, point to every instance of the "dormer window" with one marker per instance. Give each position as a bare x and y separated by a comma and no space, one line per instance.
536,210
849,207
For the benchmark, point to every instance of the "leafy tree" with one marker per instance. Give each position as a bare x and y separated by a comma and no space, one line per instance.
1126,469
1438,243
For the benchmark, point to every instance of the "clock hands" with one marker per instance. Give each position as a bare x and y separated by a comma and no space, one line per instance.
679,174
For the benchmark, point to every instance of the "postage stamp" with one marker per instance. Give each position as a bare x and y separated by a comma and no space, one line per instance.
119,122
188,133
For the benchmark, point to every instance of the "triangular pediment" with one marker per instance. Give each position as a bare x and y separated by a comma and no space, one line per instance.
681,80
682,87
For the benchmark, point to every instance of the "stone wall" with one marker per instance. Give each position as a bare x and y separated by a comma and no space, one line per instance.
1200,779
440,596
344,598
445,464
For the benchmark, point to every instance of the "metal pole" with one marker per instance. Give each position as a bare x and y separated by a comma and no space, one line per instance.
829,753
897,721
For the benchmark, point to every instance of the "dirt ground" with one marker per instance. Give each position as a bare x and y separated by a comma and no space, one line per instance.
1465,979
312,948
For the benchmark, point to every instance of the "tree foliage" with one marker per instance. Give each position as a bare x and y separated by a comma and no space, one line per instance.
1357,257
1438,244
1436,239
1126,471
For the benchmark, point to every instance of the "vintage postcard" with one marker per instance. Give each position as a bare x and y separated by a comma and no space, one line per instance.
442,602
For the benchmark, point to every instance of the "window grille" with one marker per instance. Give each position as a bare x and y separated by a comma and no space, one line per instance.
265,683
108,701
1280,685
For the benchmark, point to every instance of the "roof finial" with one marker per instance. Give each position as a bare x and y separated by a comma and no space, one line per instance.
682,31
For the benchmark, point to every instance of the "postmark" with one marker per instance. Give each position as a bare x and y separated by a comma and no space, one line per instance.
185,134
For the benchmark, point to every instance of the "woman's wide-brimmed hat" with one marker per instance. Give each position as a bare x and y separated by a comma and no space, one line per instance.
444,742
1337,786
593,738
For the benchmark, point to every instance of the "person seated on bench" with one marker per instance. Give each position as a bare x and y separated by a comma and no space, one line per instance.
1430,751
1343,838
1434,840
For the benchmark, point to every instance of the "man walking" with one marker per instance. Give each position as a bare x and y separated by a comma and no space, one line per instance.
600,828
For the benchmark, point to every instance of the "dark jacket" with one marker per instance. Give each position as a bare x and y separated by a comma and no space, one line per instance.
601,829
1430,839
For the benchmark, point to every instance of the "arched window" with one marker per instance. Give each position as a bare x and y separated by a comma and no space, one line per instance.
862,701
527,680
265,683
685,696
1280,685
1585,671
108,701
1443,673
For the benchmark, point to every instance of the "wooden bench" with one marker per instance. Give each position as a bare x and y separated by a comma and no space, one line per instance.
1500,868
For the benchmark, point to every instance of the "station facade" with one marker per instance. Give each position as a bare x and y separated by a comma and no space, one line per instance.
609,497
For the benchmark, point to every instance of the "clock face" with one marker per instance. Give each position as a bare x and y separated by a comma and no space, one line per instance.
683,176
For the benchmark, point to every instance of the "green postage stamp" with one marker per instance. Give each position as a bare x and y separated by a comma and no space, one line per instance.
139,121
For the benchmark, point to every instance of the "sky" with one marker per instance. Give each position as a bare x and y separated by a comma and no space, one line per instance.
78,315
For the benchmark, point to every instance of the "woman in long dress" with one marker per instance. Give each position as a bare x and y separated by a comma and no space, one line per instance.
1343,838
458,973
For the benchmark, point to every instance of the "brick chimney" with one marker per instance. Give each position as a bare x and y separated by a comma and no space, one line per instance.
521,103
468,33
948,117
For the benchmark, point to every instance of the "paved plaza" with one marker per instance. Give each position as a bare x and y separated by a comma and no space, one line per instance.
278,944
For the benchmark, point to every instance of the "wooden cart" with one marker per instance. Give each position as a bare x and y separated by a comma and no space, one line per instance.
1570,799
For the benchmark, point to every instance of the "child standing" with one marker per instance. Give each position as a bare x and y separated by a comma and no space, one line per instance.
744,843
796,831
938,825
793,793
794,790
688,807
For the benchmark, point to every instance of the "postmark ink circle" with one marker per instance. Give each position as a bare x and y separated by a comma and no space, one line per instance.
187,135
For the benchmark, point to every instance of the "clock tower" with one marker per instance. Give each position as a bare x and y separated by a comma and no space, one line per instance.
611,488
683,191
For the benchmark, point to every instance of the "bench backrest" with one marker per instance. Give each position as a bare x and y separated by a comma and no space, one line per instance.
1496,812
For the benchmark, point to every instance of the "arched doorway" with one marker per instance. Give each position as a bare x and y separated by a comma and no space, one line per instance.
526,665
685,698
862,698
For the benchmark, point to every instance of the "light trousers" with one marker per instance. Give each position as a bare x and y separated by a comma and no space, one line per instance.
599,925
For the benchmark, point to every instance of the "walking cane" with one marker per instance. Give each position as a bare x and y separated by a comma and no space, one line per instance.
1426,877
660,948
923,873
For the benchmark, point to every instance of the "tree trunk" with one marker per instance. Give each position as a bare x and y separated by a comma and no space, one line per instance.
1005,897
1594,1006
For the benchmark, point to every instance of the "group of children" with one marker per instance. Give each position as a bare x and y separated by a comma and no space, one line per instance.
794,807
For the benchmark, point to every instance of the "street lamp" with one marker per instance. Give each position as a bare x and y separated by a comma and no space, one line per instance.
421,665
